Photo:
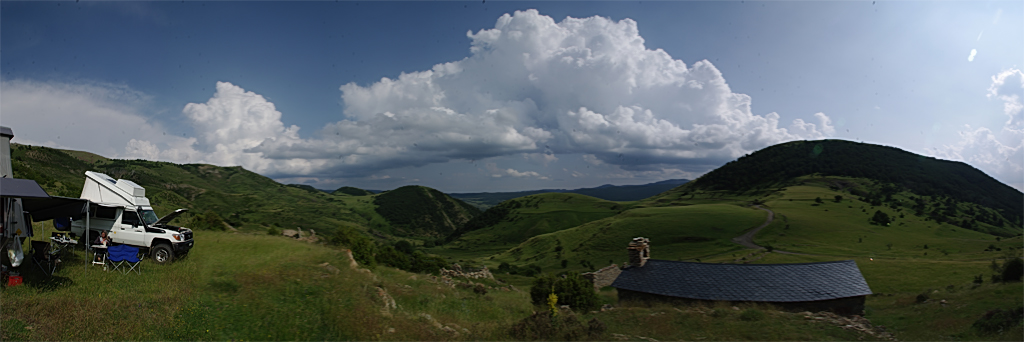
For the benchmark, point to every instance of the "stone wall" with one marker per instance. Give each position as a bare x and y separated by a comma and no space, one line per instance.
603,277
457,272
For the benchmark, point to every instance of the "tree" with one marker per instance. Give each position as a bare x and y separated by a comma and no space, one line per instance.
839,198
1013,270
880,218
817,200
211,221
404,246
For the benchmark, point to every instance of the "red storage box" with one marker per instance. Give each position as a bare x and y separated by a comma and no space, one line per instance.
14,281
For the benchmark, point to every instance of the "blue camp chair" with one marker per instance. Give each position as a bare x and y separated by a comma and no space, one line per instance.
124,257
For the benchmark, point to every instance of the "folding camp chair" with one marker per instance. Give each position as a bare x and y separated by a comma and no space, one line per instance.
44,257
125,257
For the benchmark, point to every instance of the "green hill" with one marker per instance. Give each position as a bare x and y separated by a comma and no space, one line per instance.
676,233
246,200
831,198
351,191
422,212
932,278
949,181
608,192
513,221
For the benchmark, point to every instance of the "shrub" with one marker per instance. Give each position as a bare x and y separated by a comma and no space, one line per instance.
572,290
210,221
404,246
480,289
921,298
273,231
362,246
880,218
997,320
1013,270
545,326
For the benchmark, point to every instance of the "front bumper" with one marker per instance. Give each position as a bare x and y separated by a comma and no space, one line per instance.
183,247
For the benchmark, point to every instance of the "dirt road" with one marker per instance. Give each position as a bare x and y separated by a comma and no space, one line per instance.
747,239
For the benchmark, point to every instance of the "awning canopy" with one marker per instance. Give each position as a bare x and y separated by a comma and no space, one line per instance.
21,188
40,205
42,209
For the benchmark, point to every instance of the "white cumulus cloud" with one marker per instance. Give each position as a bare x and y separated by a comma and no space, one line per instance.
998,153
533,85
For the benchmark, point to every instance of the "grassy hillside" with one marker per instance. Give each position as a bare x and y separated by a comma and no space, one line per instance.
676,233
931,247
351,191
620,193
422,212
259,287
513,221
779,165
246,200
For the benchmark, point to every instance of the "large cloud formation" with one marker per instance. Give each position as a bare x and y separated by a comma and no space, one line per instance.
531,85
999,153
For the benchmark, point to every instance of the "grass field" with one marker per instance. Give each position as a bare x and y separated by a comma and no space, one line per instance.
541,214
677,233
843,228
237,286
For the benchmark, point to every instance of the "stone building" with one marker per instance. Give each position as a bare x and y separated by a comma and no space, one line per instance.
836,286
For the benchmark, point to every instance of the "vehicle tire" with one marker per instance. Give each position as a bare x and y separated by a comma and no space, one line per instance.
163,254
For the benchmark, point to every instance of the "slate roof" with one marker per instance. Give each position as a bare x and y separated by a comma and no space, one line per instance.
746,282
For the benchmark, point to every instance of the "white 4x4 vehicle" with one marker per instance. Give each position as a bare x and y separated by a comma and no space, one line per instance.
121,208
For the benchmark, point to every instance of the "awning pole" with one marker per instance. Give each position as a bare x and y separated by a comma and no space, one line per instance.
87,242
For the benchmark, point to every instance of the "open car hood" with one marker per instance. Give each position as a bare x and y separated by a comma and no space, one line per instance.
169,217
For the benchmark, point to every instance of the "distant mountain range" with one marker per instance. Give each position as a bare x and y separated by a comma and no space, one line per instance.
608,192
484,200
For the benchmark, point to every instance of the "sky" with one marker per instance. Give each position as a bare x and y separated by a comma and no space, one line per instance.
475,96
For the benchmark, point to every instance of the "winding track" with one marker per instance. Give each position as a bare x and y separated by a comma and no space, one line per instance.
747,239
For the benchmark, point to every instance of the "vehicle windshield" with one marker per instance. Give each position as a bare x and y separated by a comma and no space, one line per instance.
149,216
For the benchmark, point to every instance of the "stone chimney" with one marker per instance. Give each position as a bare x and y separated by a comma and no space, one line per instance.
639,251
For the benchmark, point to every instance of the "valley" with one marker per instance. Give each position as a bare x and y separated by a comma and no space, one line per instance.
912,234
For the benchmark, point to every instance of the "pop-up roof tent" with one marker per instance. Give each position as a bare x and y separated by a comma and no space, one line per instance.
101,188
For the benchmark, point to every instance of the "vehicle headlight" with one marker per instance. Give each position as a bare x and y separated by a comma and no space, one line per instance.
176,236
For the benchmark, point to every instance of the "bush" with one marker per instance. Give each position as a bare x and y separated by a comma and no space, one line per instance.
1013,270
997,320
273,231
880,218
210,221
404,246
545,326
362,246
572,290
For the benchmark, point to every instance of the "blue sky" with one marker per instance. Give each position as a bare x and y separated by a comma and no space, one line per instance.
502,96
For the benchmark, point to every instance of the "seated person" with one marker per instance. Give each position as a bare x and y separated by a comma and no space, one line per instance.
101,240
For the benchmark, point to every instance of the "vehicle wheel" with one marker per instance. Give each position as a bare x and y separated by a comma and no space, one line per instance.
163,254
